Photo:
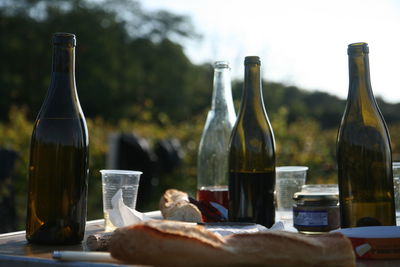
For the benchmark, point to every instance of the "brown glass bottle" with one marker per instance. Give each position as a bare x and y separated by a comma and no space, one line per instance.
364,152
252,155
58,167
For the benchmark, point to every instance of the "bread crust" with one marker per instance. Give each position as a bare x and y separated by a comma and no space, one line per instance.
167,243
144,244
280,248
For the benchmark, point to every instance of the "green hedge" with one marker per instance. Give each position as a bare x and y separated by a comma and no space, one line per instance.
299,143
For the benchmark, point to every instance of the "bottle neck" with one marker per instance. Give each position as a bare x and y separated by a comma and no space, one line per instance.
252,95
359,77
63,71
64,59
62,99
222,92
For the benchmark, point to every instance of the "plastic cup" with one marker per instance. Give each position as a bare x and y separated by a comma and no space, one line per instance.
396,183
112,182
289,180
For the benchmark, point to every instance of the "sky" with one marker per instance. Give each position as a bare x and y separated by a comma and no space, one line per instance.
301,43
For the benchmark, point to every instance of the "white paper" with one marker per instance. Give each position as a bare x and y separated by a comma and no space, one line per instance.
229,229
121,215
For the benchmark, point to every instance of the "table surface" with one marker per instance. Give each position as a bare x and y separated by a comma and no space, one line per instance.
16,251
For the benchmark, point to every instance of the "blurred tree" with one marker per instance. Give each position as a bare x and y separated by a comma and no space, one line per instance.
125,58
129,61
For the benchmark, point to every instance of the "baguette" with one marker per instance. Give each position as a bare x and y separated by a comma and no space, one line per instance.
279,248
167,243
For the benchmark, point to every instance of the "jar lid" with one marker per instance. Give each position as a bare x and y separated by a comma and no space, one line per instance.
316,196
320,188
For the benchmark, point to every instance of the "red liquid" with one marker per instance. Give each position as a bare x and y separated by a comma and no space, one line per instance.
216,194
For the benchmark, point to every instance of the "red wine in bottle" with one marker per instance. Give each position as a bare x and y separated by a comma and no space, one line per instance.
58,166
216,194
252,155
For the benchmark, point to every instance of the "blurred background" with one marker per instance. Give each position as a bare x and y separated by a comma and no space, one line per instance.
144,77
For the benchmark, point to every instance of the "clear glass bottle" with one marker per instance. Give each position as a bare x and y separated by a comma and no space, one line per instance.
212,161
364,152
58,166
252,155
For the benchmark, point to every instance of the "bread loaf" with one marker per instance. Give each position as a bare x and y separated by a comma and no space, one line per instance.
167,243
174,205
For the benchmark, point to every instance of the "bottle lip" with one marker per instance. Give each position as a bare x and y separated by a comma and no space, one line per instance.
64,38
252,60
221,64
357,48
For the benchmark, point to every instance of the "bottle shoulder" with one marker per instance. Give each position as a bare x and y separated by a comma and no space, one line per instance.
253,122
370,136
216,135
363,109
249,138
61,131
61,100
356,119
218,122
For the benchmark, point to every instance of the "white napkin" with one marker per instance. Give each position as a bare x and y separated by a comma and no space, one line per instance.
225,229
121,215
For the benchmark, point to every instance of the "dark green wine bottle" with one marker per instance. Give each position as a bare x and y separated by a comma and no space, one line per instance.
364,152
252,155
58,167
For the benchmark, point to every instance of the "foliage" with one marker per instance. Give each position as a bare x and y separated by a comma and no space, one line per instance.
298,143
121,57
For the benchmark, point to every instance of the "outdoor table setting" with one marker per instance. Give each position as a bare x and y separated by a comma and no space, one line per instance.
247,209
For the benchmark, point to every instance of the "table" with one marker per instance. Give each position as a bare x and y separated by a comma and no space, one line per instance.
15,251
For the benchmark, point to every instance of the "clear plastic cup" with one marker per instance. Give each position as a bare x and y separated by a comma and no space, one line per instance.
112,182
396,183
289,180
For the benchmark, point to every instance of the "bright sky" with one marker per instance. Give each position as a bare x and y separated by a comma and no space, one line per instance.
301,43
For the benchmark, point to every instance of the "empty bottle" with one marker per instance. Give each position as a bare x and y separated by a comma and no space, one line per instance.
364,152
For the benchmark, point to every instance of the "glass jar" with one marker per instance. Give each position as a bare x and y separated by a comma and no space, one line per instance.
316,209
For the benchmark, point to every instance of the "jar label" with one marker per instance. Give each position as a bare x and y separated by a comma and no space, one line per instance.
315,218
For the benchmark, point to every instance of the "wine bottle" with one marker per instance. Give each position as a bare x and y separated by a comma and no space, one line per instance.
363,151
212,160
58,166
252,155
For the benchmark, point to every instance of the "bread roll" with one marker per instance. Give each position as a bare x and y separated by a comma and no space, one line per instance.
174,205
166,243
